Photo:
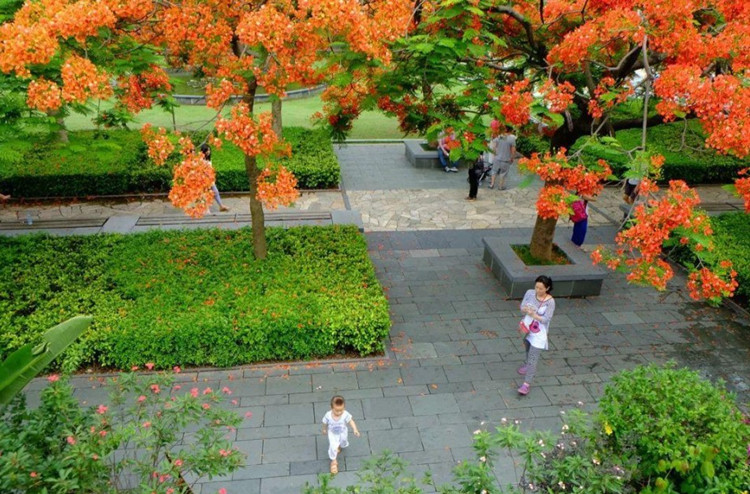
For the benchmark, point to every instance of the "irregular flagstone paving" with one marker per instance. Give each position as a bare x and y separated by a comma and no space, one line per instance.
450,365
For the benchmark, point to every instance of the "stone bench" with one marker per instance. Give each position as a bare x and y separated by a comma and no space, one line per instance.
420,157
579,279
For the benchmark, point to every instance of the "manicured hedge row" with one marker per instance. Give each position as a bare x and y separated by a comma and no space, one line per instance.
115,162
731,241
195,297
694,164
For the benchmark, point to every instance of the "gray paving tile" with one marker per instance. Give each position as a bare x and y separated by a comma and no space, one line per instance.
433,404
289,414
385,407
277,385
289,449
286,485
397,441
251,486
335,382
445,436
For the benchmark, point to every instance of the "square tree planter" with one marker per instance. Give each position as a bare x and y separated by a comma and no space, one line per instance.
579,279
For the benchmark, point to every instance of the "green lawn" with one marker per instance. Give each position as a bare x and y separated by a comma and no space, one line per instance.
295,113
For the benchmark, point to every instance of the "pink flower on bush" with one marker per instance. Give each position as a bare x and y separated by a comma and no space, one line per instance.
177,387
224,453
149,365
248,415
146,424
176,369
178,463
207,391
141,399
53,378
102,409
226,390
206,406
134,368
102,433
33,475
222,491
71,440
155,389
194,392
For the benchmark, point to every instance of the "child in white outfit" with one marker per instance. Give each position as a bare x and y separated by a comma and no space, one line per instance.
335,426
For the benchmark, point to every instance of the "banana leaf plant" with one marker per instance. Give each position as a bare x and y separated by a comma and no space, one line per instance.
25,363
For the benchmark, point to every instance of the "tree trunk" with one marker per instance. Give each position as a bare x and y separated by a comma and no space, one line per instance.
276,115
62,132
541,238
257,216
258,220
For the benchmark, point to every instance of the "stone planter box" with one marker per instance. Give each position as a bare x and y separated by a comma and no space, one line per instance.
579,279
420,157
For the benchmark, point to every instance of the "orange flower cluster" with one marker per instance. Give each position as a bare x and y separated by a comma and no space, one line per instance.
158,145
551,202
191,189
604,32
44,95
253,137
516,103
558,96
640,246
277,187
709,285
722,104
138,90
82,80
742,185
561,176
607,95
216,96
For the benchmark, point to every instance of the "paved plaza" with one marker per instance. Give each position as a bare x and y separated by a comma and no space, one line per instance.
450,366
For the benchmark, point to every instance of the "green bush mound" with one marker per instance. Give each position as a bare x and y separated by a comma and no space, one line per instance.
675,432
195,297
694,163
115,162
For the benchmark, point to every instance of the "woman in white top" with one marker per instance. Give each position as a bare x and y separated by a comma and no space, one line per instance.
537,305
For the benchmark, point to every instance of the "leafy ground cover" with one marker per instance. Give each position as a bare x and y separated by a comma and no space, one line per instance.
692,162
115,162
195,297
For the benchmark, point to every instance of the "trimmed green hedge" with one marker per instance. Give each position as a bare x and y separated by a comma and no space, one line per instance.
732,241
195,297
694,164
115,162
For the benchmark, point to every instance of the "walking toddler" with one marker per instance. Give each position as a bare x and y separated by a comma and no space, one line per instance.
335,425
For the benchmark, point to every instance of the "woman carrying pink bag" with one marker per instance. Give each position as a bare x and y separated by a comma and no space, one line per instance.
538,306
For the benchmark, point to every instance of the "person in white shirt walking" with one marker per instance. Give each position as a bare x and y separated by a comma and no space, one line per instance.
335,425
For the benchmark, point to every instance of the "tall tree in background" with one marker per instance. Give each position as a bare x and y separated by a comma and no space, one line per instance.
70,51
564,67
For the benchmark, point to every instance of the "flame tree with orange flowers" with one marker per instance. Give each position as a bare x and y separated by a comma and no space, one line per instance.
68,52
564,67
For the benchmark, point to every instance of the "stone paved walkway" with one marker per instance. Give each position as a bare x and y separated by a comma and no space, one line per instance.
453,350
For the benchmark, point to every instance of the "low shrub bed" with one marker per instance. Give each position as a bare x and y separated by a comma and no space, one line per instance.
694,163
195,297
115,162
